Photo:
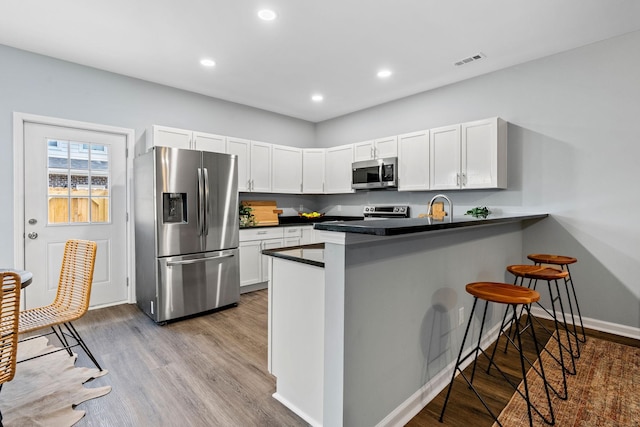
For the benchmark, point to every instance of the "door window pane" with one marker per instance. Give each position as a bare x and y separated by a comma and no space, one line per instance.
77,171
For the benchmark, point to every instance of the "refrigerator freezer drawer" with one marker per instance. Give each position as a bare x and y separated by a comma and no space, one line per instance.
196,283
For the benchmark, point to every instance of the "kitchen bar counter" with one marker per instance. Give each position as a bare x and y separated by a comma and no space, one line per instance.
385,310
306,254
394,227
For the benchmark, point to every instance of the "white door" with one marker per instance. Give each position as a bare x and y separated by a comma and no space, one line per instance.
386,147
444,158
241,148
209,142
75,188
260,167
313,170
286,169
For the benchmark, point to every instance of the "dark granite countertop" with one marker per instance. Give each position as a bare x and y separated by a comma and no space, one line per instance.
394,227
290,221
306,254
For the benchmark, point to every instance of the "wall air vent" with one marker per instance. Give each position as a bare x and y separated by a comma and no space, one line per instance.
478,56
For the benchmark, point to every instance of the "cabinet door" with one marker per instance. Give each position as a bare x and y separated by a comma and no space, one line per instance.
413,161
171,137
386,147
363,151
260,167
338,169
250,262
209,142
307,235
313,170
268,244
241,148
484,154
286,169
445,162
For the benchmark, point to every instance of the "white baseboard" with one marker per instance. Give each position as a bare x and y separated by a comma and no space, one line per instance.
312,422
598,325
416,402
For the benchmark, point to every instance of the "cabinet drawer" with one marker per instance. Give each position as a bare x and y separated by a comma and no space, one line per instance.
290,232
260,234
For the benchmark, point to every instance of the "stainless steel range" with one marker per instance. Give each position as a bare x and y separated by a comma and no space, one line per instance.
386,212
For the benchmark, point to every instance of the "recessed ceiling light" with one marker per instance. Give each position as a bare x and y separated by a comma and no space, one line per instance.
317,97
208,62
383,74
267,15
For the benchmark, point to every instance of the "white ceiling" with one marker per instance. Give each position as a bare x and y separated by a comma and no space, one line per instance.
333,47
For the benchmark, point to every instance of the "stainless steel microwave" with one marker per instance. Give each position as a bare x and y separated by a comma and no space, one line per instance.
375,174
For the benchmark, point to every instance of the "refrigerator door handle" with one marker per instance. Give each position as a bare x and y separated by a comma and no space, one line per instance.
200,203
197,260
205,228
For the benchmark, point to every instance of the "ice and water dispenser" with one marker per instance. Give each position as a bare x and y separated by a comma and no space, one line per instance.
174,208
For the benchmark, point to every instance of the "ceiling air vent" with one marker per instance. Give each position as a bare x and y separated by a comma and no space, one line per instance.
472,58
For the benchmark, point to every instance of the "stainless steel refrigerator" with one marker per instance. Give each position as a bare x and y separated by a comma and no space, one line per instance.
186,231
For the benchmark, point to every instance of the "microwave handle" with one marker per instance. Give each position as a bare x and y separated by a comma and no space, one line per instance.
380,172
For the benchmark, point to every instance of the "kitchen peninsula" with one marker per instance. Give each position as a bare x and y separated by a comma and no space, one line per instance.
364,331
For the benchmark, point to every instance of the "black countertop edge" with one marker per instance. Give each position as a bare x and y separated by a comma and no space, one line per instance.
394,227
292,221
292,253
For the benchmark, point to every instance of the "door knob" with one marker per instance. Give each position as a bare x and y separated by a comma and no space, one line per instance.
32,235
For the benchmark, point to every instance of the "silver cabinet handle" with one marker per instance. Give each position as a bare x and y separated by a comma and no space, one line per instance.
464,179
198,260
458,179
262,232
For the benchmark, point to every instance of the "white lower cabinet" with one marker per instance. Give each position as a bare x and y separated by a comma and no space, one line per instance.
254,267
309,235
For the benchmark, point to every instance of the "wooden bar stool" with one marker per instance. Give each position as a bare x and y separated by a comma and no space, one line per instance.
563,262
513,296
551,275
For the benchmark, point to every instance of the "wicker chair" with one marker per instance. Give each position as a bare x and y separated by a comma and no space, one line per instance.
71,301
9,309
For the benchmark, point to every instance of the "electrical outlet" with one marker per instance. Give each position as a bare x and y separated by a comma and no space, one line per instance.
461,316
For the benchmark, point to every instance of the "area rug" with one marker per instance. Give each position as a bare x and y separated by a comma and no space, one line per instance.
45,391
604,392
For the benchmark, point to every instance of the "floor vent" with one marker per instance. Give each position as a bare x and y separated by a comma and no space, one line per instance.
472,58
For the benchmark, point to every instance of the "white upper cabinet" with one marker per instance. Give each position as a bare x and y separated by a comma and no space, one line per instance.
286,169
363,151
484,154
313,169
413,161
375,149
254,164
385,147
209,142
260,167
444,157
470,155
165,136
241,148
337,175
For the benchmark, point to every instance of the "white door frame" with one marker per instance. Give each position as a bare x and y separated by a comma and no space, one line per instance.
19,120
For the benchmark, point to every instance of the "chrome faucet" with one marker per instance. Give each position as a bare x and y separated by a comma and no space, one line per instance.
438,196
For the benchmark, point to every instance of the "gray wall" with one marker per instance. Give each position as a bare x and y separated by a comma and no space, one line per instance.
574,145
41,85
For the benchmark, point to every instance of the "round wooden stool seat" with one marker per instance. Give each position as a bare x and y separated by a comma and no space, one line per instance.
552,259
536,272
503,293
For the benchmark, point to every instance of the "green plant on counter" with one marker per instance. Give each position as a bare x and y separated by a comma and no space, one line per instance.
246,216
479,212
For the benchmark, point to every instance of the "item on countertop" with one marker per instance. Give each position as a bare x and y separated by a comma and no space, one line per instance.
478,212
247,219
311,215
265,212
